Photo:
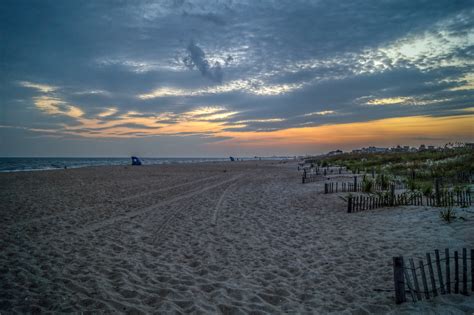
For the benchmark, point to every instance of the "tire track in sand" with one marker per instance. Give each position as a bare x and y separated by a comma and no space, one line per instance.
211,236
83,211
130,215
165,189
170,215
220,202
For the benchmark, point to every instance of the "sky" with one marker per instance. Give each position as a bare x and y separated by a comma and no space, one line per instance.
218,78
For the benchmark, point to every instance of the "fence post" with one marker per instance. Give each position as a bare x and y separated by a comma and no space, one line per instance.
438,201
325,188
448,270
432,277
464,271
472,270
392,194
440,274
399,280
349,204
355,183
415,279
423,279
456,272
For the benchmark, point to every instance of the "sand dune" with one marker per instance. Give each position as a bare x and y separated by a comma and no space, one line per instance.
242,237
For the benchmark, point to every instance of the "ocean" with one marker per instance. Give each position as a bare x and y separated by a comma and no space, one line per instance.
38,164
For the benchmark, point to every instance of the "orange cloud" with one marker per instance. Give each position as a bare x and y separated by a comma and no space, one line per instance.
211,121
382,132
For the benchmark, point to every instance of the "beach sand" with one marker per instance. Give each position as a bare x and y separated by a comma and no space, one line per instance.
208,238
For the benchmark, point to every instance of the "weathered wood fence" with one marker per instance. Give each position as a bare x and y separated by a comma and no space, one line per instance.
310,177
412,280
356,186
446,199
309,173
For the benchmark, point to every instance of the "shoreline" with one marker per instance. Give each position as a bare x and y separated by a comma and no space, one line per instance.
166,161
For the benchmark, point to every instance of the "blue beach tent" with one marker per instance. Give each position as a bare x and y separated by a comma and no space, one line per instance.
136,161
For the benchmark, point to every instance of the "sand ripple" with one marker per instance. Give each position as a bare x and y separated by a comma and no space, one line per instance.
198,239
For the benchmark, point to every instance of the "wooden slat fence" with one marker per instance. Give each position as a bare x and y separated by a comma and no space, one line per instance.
335,187
427,280
310,172
447,199
310,177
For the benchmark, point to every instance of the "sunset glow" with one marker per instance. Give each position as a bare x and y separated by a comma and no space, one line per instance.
200,78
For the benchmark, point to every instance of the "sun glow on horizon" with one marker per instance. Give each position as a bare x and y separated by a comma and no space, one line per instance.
389,130
217,121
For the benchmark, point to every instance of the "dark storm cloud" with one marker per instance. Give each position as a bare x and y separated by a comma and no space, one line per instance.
196,58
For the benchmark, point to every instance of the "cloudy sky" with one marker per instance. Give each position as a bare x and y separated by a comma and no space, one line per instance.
219,78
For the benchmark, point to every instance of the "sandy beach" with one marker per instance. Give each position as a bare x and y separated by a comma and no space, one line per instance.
242,237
